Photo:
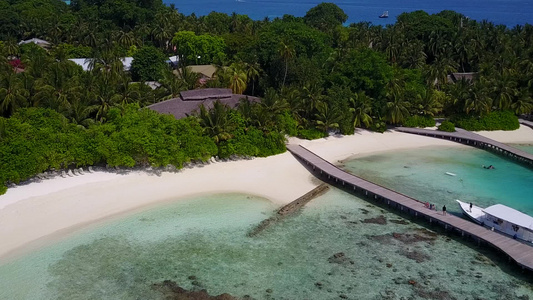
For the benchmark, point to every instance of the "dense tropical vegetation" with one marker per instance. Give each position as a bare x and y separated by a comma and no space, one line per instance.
314,76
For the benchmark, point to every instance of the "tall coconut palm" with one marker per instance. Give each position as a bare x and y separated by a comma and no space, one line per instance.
12,93
272,103
237,78
327,117
126,92
216,121
523,103
503,90
479,102
252,71
396,109
361,109
429,102
80,112
171,86
57,88
286,52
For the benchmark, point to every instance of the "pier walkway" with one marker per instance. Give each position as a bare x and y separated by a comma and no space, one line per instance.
526,123
520,253
476,140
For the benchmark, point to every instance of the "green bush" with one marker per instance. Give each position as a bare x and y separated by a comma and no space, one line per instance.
311,134
419,121
497,120
447,126
378,125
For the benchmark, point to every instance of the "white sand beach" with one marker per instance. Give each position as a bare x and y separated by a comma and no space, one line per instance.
38,213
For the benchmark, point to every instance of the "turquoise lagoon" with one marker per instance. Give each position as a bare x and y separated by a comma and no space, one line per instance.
206,237
422,174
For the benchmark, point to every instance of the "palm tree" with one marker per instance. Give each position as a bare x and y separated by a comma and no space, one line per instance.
437,73
237,78
327,118
503,91
361,109
57,88
216,121
286,52
126,39
523,103
105,97
12,93
479,101
126,92
273,103
172,85
396,107
429,102
188,78
80,111
252,71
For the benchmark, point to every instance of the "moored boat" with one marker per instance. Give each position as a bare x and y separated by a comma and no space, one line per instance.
385,14
501,218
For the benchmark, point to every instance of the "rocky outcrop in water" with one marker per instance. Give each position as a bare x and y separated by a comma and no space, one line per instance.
289,209
171,291
340,258
377,220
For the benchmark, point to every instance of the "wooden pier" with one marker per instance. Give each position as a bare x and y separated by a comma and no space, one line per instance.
526,123
476,140
520,253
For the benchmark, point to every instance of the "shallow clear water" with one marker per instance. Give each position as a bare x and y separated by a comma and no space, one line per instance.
507,12
527,148
422,174
206,237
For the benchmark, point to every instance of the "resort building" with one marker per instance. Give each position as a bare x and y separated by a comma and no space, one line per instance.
189,101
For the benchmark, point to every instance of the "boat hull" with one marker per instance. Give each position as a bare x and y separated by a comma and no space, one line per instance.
475,214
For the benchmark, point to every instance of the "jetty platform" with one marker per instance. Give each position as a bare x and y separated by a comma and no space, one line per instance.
525,122
475,140
517,251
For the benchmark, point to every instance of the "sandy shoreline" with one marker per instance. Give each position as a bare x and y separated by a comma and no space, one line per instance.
36,211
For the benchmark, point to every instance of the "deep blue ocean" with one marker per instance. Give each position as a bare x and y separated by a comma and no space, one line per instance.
507,12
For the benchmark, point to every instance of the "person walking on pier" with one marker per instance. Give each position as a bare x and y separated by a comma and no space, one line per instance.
444,210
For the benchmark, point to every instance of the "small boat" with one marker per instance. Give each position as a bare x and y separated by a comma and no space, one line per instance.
385,14
502,219
450,173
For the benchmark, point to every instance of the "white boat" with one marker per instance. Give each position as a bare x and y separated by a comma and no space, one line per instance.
501,218
385,14
450,173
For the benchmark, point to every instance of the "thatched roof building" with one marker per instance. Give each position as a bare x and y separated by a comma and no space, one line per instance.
189,101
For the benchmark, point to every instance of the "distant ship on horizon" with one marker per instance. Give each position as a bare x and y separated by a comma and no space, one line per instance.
385,14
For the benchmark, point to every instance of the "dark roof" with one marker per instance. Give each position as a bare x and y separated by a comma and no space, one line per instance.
454,77
181,108
202,94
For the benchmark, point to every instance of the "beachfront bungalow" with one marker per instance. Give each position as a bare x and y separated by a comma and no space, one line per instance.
189,101
41,43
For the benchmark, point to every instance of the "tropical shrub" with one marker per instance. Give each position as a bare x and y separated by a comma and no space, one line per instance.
496,120
419,121
447,126
311,134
